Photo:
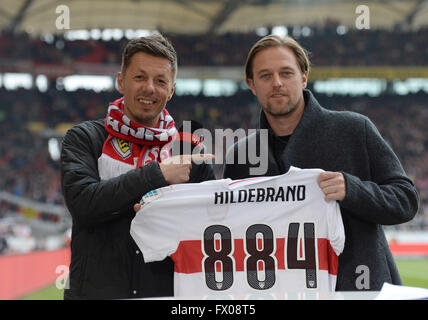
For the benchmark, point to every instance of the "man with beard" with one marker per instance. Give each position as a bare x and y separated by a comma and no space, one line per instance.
362,172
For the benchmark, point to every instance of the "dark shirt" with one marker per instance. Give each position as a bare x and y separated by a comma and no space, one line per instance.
279,143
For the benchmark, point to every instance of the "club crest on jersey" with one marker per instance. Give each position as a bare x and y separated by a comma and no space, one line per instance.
122,147
151,196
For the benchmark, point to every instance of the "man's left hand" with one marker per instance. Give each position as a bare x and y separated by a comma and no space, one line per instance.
333,185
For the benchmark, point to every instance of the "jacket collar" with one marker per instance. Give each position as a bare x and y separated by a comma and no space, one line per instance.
311,124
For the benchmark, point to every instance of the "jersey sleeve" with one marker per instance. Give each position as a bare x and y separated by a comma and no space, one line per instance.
336,230
155,234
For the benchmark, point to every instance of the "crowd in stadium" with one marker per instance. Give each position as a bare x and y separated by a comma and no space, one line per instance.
28,170
350,48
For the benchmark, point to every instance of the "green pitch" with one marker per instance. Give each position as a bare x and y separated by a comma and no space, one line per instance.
48,293
414,273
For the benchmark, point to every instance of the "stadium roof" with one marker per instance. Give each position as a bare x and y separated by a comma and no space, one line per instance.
204,16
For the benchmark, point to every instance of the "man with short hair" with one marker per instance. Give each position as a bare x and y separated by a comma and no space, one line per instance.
362,172
108,165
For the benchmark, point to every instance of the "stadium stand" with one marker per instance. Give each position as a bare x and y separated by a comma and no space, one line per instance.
354,48
29,117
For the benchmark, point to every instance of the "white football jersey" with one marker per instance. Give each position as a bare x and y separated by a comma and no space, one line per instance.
267,234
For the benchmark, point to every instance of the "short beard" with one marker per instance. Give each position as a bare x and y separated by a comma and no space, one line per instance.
289,109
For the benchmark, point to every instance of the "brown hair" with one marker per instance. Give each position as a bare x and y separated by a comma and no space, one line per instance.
276,41
155,45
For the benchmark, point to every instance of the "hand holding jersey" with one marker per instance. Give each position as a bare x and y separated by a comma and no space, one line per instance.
332,185
107,164
177,168
366,176
223,239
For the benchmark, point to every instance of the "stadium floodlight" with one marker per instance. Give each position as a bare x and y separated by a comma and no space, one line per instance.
341,30
42,83
262,31
281,31
54,149
95,34
12,81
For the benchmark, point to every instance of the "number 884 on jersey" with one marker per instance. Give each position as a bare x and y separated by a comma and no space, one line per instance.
257,255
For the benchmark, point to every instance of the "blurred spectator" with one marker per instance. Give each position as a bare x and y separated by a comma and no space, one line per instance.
386,47
27,169
3,242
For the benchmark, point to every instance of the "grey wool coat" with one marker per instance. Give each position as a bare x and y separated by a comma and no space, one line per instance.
378,192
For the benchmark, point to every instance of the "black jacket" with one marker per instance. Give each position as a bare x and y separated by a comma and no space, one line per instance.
378,192
105,261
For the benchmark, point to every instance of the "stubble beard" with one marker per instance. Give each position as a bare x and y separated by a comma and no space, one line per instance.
146,120
289,108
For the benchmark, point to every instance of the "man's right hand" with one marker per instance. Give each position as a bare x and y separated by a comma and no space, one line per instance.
177,168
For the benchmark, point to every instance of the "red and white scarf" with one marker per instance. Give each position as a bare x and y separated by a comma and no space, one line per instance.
131,145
